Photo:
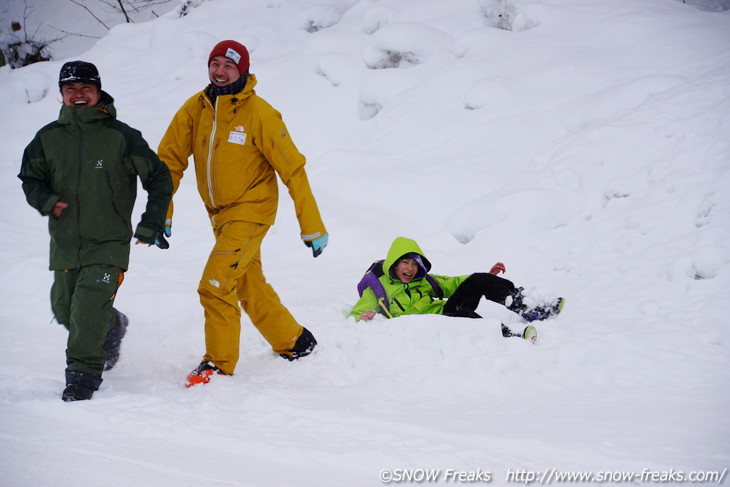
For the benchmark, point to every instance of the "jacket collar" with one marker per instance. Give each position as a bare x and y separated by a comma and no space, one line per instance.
104,109
247,91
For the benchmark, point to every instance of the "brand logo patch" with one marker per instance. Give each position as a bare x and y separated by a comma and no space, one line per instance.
99,164
233,55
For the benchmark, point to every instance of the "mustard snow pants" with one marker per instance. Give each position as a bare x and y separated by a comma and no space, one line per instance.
233,274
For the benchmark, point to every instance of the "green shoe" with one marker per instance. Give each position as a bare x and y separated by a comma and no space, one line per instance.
530,334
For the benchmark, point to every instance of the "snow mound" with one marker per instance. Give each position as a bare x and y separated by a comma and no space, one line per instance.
405,44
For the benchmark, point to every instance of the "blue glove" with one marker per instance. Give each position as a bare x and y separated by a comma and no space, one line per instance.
318,244
168,228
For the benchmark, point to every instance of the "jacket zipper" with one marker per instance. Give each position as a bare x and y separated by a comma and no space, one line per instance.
78,191
395,300
210,153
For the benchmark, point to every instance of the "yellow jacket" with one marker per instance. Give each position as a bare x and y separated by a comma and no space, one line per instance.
238,147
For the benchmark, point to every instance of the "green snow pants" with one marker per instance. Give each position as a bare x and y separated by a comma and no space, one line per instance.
81,300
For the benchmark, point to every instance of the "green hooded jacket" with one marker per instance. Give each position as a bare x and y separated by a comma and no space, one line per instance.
415,298
90,160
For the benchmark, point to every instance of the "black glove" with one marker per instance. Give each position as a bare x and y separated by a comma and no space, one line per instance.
151,237
161,241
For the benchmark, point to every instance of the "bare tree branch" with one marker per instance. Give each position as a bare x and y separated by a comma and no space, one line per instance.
19,52
121,6
127,8
25,22
90,12
74,33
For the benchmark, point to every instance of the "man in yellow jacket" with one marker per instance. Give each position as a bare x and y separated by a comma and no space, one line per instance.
239,144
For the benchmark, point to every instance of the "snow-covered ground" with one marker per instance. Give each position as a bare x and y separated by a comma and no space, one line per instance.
583,143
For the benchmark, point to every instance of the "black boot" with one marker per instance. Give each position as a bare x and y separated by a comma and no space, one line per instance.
543,312
113,341
534,313
303,347
516,301
80,386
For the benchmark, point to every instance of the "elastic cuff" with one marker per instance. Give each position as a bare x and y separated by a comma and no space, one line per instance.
311,236
48,207
144,231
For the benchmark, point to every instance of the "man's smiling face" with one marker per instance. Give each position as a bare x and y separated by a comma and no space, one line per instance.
78,94
222,71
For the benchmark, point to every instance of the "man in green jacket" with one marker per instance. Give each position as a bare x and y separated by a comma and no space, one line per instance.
405,287
82,171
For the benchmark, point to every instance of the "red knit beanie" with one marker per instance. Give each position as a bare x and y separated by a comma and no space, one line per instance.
234,51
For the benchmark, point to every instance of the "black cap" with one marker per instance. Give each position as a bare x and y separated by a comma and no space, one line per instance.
79,71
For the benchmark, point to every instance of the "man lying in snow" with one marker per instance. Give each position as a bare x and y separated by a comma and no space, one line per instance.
401,285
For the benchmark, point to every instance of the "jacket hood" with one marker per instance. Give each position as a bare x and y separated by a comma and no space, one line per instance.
104,109
248,89
406,247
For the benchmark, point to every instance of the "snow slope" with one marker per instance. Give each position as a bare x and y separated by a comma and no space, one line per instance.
583,143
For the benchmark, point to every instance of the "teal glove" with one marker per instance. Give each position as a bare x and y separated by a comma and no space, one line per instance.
168,228
318,244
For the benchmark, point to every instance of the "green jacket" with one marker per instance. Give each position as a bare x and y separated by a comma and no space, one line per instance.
415,298
90,160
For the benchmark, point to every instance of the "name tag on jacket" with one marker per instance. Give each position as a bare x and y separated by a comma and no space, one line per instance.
237,138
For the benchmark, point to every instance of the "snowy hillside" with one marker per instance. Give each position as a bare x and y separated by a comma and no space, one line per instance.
583,143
